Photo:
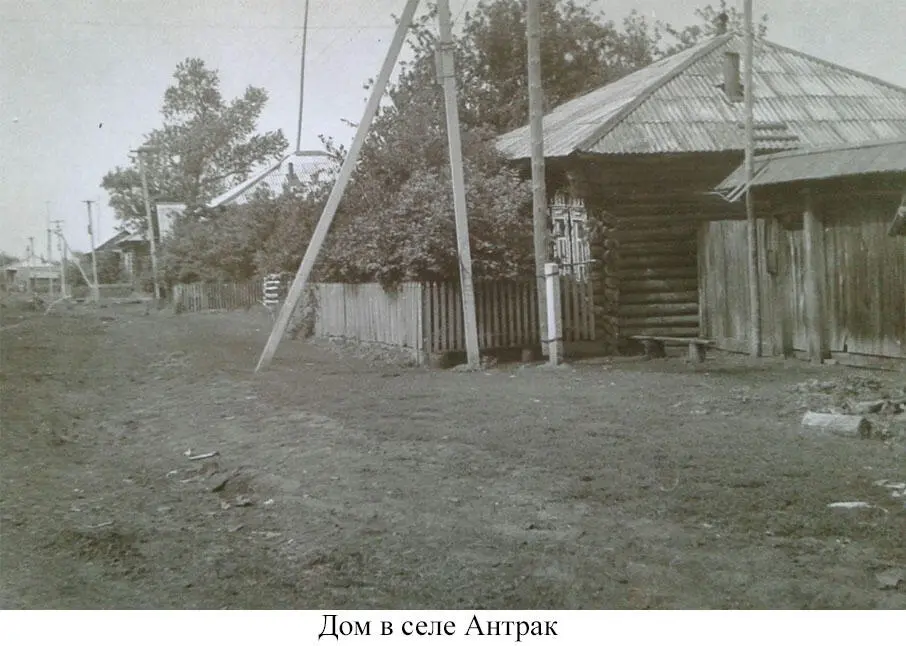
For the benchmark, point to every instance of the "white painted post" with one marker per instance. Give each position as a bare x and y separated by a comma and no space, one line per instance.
554,313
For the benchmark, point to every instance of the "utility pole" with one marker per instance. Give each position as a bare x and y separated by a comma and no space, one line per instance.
95,288
29,255
49,237
78,265
49,248
752,229
540,216
62,249
302,78
447,69
97,220
151,235
297,288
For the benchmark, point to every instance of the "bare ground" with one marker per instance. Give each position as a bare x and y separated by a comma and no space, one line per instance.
342,482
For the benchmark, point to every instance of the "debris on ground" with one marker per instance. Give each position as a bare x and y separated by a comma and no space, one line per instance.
203,456
896,489
847,425
855,504
883,404
221,484
891,579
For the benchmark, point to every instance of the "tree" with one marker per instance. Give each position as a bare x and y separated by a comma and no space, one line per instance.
708,26
7,259
206,145
396,220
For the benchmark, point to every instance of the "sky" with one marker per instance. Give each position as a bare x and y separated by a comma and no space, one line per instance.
81,81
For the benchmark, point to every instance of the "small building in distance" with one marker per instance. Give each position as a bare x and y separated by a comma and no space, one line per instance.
32,274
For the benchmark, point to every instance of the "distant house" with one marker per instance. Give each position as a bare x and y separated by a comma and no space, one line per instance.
32,274
133,252
301,168
644,153
832,261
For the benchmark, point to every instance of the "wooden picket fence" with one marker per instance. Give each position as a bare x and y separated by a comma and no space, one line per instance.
427,317
202,297
370,314
506,313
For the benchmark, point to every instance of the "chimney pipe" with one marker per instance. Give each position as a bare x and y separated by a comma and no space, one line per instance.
732,84
722,21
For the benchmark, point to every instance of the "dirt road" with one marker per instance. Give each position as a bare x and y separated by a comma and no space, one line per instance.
345,483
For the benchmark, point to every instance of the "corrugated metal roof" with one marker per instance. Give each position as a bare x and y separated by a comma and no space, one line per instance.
38,269
821,163
306,165
121,238
678,105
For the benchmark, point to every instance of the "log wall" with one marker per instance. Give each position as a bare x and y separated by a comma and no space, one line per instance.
647,210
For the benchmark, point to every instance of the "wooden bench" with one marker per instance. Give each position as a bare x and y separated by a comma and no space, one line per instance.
654,346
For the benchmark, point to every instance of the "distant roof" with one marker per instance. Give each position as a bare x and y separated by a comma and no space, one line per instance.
119,239
306,164
677,105
39,268
820,163
110,243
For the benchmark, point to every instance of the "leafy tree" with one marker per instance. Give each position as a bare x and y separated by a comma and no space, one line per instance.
709,26
395,222
411,235
7,259
396,219
206,144
267,234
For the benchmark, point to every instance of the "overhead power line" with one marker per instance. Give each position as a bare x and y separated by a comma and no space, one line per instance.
186,25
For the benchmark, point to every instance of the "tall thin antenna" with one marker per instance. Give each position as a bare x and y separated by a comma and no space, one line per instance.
302,78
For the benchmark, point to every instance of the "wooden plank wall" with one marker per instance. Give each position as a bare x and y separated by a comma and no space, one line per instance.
866,285
370,314
724,288
864,281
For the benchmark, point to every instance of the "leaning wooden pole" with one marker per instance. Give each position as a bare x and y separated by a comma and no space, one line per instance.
749,98
448,79
540,216
330,209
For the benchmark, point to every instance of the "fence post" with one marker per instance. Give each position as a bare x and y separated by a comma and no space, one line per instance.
554,313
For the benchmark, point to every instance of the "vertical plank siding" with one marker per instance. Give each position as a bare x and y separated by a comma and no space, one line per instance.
506,312
202,297
368,313
864,281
